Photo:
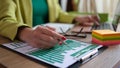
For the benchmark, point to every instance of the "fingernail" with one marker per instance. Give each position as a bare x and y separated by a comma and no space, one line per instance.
60,43
63,38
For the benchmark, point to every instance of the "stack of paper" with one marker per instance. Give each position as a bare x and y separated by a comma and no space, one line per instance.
105,37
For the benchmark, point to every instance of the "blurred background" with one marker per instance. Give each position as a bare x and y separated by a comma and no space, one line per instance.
105,8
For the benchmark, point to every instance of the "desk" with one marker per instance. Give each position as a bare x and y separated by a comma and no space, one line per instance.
107,59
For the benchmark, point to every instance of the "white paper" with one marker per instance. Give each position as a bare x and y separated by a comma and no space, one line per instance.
57,26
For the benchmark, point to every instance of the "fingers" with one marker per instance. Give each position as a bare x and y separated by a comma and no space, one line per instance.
96,19
97,23
87,19
45,38
42,44
51,28
49,32
82,19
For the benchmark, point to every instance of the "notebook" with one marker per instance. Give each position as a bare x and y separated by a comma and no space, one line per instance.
61,56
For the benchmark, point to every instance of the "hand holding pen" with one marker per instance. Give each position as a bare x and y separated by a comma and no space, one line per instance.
41,37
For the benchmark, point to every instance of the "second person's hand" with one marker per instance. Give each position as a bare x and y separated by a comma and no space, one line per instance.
87,20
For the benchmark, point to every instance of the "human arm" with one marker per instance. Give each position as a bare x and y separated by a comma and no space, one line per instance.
9,23
13,26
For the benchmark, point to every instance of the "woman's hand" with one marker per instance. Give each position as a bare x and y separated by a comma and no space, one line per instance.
41,37
87,20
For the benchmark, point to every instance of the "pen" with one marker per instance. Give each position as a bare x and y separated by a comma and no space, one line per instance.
88,56
81,29
62,42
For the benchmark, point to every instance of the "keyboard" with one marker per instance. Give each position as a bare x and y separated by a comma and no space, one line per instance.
103,26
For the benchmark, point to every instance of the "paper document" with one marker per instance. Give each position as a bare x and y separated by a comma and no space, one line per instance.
61,56
65,27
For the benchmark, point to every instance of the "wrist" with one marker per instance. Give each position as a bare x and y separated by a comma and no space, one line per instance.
23,33
77,20
74,21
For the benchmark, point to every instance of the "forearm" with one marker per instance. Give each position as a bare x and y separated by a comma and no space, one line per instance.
66,17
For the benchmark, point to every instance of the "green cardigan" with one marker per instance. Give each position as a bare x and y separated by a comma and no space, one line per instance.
17,13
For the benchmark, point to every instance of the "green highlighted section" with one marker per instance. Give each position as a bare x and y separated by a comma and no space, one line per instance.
84,50
57,53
